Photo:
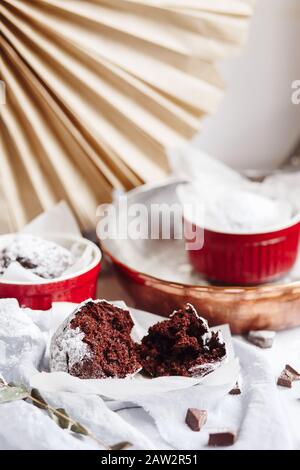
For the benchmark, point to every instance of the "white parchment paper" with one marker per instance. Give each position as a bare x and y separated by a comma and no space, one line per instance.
126,389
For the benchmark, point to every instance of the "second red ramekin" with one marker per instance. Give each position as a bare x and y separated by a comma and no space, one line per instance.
245,259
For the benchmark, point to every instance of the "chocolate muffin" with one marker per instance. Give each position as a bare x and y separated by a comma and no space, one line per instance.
42,257
95,342
181,345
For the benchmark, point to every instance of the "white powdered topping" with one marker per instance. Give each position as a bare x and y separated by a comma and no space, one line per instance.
42,257
234,208
67,349
240,210
13,323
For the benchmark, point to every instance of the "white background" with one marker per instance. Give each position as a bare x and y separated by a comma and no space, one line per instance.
257,125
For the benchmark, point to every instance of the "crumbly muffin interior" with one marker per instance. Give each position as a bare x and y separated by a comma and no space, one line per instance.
107,331
181,345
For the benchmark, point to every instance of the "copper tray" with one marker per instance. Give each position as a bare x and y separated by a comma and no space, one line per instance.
273,306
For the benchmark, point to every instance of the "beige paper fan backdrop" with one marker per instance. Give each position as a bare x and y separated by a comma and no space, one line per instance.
96,91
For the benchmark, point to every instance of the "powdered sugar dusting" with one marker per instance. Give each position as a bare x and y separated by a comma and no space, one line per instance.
68,349
244,211
67,346
42,257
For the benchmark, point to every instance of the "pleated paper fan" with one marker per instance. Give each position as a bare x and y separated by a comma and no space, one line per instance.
97,90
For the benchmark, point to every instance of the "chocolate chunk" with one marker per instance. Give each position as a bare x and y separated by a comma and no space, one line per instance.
222,439
292,373
284,380
287,376
262,338
195,419
235,390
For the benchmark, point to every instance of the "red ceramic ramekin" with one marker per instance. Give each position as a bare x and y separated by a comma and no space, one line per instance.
75,287
245,259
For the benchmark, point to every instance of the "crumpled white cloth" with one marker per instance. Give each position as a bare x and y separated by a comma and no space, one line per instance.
24,335
258,415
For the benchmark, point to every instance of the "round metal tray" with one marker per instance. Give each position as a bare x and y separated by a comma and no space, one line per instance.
158,277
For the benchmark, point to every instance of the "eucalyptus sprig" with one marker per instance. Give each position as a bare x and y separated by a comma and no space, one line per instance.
12,392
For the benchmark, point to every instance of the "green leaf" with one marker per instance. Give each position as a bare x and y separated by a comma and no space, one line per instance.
42,402
8,394
121,446
63,422
79,429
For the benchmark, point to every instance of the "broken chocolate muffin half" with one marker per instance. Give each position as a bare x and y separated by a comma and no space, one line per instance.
95,342
181,345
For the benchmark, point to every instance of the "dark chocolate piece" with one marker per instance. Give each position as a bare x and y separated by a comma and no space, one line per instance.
291,372
262,338
222,439
235,390
284,380
195,418
287,376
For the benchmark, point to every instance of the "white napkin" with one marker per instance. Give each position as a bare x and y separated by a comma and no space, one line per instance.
25,427
257,415
264,424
